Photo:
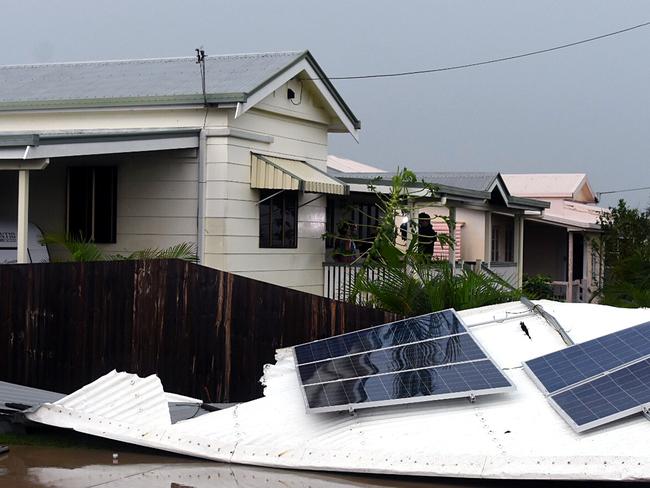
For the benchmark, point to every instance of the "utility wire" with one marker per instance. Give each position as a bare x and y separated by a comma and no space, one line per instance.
490,61
623,191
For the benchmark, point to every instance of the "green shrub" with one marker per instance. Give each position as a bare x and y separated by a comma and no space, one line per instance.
538,287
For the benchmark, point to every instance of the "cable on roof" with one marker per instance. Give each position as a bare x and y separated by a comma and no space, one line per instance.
491,61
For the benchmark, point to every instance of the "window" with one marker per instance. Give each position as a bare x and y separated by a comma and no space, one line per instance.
279,219
92,203
363,216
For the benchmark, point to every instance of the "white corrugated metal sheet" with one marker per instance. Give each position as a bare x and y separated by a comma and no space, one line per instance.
514,436
273,173
342,165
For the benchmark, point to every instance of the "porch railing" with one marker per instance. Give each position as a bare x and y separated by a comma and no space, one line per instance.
507,271
581,293
339,278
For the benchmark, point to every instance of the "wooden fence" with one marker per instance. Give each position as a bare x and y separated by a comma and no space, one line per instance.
206,333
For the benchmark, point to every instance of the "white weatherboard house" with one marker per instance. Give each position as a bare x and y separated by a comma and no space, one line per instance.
134,154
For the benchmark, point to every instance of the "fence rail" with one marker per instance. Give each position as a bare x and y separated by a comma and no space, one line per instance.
206,333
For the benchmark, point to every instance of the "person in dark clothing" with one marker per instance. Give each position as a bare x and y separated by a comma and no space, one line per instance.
427,236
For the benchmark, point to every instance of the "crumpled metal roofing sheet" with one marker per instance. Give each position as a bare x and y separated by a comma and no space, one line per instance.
112,81
510,436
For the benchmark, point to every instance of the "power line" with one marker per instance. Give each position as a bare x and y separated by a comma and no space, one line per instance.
624,191
490,61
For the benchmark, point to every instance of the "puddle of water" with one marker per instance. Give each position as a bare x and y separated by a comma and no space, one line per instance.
31,467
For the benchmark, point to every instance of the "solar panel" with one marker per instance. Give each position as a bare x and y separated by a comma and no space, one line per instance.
576,363
417,359
598,381
615,395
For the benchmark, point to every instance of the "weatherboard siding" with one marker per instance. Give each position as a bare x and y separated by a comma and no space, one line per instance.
109,119
232,213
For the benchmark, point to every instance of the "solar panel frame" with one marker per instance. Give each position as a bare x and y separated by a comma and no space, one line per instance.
404,401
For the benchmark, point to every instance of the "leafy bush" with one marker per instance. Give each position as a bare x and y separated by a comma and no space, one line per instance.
84,250
538,287
625,249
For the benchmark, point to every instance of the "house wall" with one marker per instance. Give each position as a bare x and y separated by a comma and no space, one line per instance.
472,242
232,214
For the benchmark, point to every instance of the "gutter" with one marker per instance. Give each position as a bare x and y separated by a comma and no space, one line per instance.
200,215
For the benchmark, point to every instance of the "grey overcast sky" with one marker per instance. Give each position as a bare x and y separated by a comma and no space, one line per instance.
583,109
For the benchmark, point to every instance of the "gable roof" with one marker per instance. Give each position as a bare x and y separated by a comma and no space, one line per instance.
572,186
165,81
456,185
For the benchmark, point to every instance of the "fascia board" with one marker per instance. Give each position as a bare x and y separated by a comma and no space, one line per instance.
95,103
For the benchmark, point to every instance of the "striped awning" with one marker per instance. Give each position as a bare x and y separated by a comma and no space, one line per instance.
273,173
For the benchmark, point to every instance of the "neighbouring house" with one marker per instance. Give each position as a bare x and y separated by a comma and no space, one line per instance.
488,218
560,242
136,154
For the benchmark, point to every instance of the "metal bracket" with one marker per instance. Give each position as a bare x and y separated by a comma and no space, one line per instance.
646,411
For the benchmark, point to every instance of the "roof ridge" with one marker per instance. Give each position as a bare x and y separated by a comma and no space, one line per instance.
153,60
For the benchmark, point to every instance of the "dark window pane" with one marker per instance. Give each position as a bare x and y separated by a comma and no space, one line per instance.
105,204
80,202
278,219
92,203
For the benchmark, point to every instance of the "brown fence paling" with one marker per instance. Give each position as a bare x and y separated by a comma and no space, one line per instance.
205,332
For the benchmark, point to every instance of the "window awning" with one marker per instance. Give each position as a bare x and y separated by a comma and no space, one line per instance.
273,173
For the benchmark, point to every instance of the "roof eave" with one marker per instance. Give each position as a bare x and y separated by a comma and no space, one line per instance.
102,103
527,203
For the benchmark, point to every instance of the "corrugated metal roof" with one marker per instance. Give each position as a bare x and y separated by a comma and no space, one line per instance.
275,173
549,185
468,181
25,395
228,78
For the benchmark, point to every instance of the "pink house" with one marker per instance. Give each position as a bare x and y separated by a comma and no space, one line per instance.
560,242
